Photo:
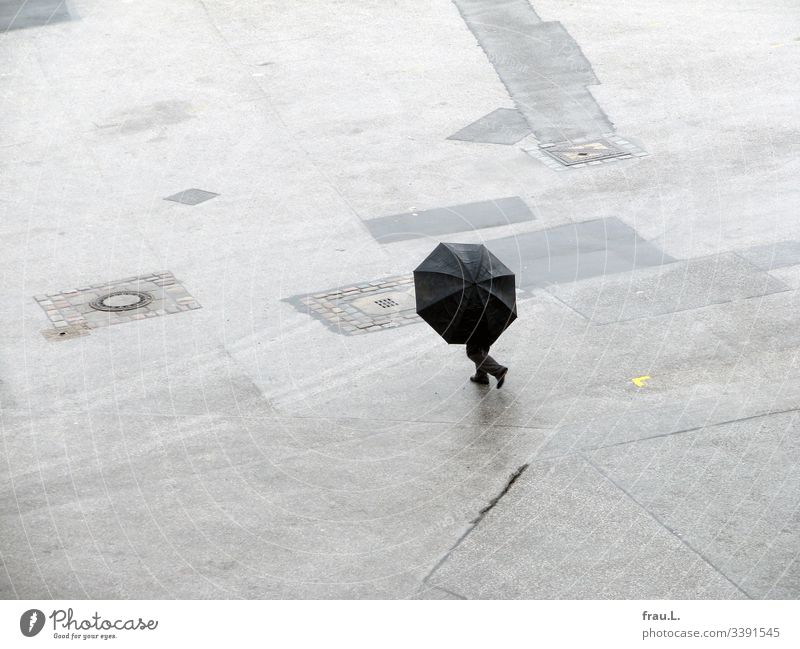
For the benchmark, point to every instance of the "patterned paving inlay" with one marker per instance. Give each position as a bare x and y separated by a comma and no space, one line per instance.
361,308
447,220
73,311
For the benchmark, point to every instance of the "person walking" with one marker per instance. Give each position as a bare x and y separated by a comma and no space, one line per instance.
478,353
485,365
468,296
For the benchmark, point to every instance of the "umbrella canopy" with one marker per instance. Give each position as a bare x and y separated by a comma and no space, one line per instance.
465,293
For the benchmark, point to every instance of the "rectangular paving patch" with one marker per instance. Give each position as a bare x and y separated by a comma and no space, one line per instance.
501,126
361,308
541,65
680,286
20,14
446,220
192,196
115,302
576,251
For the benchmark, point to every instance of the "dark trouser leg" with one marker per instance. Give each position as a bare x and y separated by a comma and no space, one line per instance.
484,364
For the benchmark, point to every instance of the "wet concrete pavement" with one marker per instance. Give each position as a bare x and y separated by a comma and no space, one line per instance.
260,446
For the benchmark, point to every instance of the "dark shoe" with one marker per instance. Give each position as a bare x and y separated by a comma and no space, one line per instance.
483,380
501,378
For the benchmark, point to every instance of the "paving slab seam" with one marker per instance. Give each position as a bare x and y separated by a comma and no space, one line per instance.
574,310
444,590
688,430
695,308
688,545
411,421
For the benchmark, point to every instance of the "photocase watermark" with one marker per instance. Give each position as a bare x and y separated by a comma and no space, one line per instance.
66,626
31,622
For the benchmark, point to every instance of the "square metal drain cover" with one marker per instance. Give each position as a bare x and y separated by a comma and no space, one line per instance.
191,196
123,300
574,153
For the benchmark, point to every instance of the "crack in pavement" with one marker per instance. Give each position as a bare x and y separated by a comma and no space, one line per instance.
472,525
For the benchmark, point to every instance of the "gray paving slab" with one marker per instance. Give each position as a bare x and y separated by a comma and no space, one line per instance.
563,531
245,450
789,275
192,196
728,490
21,14
365,518
501,126
568,253
761,324
567,373
449,220
542,67
690,284
773,255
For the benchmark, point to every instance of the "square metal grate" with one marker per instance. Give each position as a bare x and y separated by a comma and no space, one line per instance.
387,303
191,196
585,152
569,153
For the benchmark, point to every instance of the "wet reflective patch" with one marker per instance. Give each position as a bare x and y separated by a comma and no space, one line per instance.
21,14
567,253
501,126
542,67
415,224
191,196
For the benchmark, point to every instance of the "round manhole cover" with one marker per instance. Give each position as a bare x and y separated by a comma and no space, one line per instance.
121,301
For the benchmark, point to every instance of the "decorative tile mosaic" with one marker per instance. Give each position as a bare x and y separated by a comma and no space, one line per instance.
560,156
361,308
73,311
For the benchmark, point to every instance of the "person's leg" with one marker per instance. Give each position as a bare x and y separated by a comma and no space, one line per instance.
477,356
494,368
491,366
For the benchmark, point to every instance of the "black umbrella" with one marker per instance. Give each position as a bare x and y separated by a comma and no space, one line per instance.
465,293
